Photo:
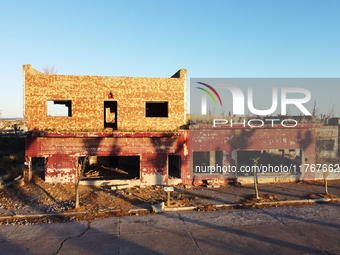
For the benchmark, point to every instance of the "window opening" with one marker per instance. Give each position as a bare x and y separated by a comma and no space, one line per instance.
156,109
112,168
59,108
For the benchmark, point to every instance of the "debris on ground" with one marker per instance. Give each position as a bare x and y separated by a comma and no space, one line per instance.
41,197
262,198
316,196
211,184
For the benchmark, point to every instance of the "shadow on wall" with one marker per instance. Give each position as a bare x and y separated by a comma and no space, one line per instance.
163,148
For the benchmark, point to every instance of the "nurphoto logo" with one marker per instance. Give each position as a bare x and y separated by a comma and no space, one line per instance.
238,99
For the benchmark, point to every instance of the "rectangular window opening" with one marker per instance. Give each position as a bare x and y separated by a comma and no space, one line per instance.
203,160
112,168
174,166
156,109
59,108
271,162
327,145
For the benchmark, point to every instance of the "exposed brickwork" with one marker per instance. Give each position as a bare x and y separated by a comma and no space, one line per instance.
230,140
153,148
324,135
88,94
60,150
61,140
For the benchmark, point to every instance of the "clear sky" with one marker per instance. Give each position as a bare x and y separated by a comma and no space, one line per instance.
256,38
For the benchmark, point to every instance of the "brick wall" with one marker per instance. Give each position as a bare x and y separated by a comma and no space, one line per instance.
327,142
60,151
231,140
88,94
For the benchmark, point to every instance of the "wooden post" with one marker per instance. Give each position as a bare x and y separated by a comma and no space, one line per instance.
168,198
168,190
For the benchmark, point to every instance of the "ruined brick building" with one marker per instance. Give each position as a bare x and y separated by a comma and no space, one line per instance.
133,132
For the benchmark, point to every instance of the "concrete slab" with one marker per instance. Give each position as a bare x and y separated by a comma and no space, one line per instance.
104,226
147,223
6,231
48,231
86,245
263,239
326,237
172,241
281,230
216,219
14,249
27,247
322,213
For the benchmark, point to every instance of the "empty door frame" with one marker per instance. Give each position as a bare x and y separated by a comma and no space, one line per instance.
110,114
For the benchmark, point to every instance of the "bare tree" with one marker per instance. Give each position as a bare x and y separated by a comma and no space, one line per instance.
223,112
211,112
81,164
315,110
288,110
50,69
325,181
331,111
256,160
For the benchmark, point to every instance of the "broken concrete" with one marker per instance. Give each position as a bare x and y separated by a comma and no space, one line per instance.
158,208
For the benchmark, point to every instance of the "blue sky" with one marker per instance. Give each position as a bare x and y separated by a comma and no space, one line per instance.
287,38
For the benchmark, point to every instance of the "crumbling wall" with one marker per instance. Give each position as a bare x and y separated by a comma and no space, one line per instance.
62,149
327,142
231,140
88,93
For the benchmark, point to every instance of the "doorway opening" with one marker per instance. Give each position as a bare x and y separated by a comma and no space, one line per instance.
110,114
38,167
174,166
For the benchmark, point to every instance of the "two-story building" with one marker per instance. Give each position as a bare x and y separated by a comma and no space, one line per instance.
128,127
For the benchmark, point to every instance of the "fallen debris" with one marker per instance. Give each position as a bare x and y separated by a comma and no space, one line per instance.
115,169
19,181
262,198
158,208
211,184
91,173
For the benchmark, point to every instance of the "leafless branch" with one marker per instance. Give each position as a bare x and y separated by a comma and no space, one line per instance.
49,70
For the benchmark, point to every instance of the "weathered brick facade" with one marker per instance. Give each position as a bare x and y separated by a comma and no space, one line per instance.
327,142
139,117
61,151
129,131
233,140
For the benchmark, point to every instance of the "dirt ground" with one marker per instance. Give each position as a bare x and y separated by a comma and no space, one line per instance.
57,198
39,197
